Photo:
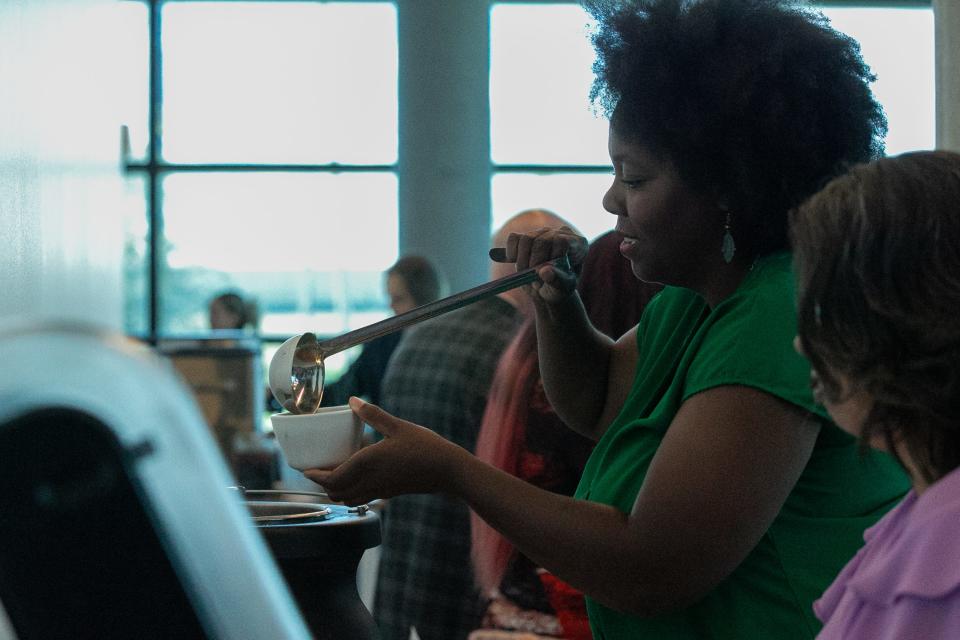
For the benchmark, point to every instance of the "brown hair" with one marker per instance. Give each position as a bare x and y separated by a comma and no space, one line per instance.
245,311
424,281
877,257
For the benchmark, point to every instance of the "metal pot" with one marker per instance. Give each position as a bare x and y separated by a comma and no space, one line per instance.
318,549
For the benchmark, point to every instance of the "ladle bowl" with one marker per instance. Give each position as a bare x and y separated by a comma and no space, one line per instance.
296,372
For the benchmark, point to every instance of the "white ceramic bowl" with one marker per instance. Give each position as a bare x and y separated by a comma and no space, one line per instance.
323,439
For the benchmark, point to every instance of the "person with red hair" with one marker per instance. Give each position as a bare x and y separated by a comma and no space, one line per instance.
521,434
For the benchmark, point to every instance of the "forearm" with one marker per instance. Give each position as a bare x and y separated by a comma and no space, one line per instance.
688,529
574,363
589,545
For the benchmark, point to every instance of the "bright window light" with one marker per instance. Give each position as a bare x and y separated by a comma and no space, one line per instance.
280,82
540,75
905,72
310,247
133,94
573,196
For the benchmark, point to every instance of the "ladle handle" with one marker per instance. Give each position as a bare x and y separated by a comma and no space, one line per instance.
433,309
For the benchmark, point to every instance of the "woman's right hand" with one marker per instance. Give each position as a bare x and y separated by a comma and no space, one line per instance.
543,245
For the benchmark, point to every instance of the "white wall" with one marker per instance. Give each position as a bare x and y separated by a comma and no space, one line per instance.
61,226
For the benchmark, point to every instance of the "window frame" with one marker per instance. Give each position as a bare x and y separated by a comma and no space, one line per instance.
554,169
154,168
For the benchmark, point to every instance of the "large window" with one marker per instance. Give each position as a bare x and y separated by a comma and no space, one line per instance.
263,144
272,165
549,150
905,72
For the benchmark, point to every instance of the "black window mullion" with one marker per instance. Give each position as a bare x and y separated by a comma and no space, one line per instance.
212,167
154,168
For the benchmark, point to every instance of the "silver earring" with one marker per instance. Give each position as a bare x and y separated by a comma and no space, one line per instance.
728,248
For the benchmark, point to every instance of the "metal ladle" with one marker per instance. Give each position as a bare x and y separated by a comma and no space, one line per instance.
296,371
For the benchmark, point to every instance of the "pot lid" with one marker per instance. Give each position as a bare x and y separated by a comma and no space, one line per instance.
269,511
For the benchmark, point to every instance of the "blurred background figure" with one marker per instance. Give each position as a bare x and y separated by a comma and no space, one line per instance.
414,281
411,282
231,311
440,375
522,435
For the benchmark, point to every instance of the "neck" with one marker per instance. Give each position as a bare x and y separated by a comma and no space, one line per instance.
722,280
917,479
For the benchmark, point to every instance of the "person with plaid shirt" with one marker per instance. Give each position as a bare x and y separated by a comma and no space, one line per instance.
439,375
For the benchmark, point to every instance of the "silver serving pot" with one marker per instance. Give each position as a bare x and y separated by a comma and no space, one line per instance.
318,549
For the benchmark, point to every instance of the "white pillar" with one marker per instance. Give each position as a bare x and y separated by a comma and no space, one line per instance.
445,135
947,30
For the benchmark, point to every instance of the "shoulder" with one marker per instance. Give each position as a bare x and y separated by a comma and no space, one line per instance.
490,315
748,339
460,340
671,315
761,315
376,352
906,579
917,549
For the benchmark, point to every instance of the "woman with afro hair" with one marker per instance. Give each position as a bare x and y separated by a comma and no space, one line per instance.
720,500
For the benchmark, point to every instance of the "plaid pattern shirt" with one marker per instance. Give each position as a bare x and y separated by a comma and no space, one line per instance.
438,377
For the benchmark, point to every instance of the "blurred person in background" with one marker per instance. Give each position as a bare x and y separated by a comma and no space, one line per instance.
440,374
411,282
230,311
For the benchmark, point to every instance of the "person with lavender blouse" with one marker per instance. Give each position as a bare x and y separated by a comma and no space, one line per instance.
877,258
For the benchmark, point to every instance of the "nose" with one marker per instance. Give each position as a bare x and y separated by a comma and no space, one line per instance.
611,200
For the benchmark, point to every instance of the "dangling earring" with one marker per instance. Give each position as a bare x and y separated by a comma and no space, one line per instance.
728,248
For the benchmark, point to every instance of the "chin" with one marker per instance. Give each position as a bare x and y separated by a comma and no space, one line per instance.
643,273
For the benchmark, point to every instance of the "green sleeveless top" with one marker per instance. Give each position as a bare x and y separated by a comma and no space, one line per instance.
685,348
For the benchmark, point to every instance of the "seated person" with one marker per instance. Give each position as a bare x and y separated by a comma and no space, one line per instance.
877,256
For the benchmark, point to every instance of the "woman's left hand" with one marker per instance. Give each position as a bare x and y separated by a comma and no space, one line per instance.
541,246
410,459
